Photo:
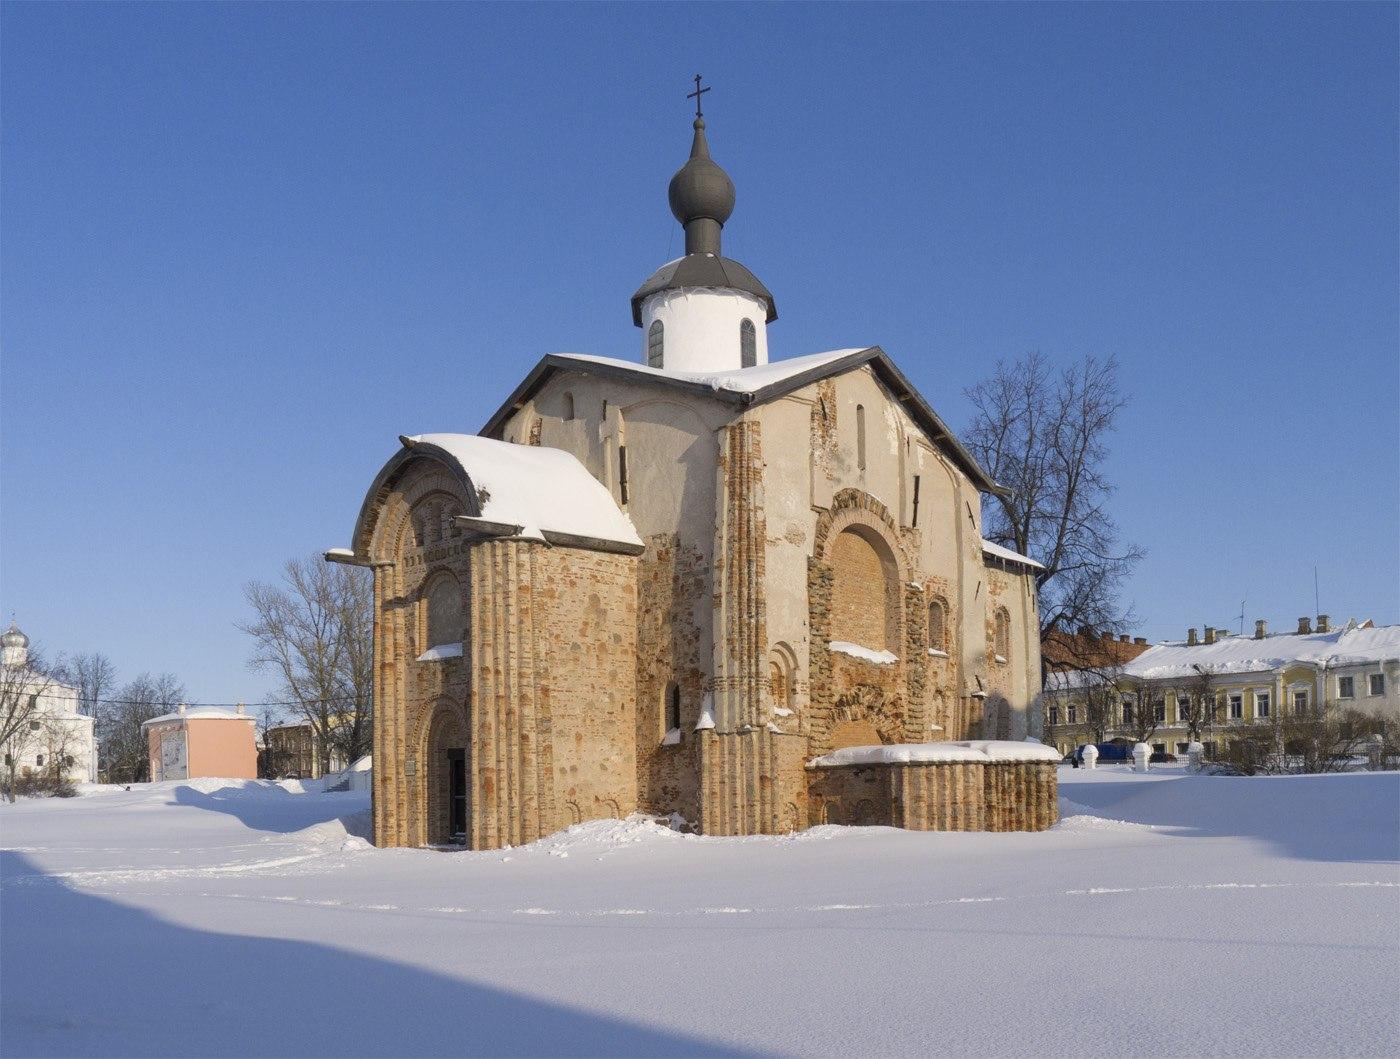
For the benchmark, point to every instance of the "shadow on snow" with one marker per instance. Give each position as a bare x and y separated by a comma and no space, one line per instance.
81,975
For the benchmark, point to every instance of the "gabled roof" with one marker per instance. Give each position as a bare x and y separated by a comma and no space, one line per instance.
743,387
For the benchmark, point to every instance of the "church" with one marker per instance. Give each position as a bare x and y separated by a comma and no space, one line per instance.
750,595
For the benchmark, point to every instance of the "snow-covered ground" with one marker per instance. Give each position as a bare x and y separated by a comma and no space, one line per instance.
1167,914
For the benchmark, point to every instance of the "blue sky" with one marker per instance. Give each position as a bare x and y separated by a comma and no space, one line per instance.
245,246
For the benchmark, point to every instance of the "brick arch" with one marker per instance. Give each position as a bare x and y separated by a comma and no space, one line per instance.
855,507
438,725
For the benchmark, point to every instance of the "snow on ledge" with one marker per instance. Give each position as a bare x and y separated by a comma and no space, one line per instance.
983,750
707,717
855,650
1006,554
437,654
934,652
672,737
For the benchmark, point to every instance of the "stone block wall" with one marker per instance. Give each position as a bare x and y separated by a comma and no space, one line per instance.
938,796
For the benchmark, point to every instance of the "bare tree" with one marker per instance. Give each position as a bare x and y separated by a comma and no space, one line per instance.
1202,705
22,722
123,745
95,677
1044,435
1142,721
314,632
1100,701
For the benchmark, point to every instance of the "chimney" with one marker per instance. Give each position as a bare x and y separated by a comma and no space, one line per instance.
1141,641
1106,636
242,710
1210,635
1086,631
1124,638
1304,625
1191,640
183,708
1323,625
1261,629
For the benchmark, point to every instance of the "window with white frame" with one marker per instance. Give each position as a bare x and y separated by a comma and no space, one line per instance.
1183,707
1159,711
1346,687
1073,713
1236,706
1301,699
1127,709
1262,702
1377,683
1181,748
1054,715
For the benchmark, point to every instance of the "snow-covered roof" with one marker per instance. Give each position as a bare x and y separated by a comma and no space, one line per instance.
200,713
1245,654
538,489
756,385
736,380
527,490
983,750
988,548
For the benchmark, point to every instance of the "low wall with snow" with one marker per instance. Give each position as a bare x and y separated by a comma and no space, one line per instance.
974,786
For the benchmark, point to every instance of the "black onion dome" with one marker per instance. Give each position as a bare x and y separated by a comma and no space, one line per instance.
700,188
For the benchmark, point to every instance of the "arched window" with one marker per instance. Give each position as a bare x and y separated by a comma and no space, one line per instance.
673,707
445,613
1003,634
781,667
938,625
656,341
864,591
569,407
748,344
860,436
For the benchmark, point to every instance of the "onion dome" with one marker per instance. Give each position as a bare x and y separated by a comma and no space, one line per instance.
12,637
701,196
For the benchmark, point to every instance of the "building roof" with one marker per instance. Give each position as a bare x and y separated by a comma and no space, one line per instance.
1246,654
517,490
703,270
200,713
752,386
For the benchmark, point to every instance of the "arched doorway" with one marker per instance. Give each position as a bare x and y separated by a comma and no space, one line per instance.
447,761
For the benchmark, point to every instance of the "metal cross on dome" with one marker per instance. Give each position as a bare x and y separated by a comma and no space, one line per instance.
696,96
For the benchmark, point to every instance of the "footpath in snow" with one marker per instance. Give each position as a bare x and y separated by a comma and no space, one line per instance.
1166,914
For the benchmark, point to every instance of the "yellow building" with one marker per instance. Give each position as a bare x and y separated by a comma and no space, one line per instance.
1226,683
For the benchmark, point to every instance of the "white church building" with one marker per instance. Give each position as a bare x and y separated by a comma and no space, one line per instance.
55,735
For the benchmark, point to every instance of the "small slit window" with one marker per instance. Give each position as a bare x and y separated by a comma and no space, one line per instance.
569,407
748,344
673,707
860,436
656,343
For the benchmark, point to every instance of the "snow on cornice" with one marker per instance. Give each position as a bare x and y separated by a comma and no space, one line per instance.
988,548
869,654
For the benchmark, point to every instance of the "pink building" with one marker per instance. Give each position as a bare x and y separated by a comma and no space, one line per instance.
199,741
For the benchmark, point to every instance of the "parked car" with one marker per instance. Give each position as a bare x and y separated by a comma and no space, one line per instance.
1161,757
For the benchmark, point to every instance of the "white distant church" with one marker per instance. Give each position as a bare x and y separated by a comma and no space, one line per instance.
54,736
